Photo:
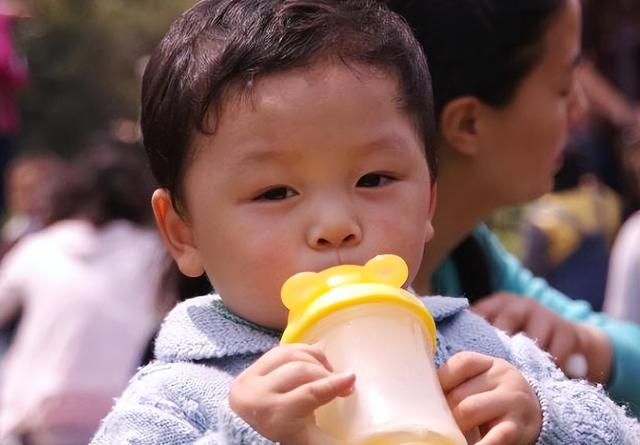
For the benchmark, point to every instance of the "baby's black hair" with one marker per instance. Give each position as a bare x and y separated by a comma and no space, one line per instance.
219,47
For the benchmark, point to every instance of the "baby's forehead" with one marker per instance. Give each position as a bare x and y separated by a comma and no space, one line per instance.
246,151
327,104
244,91
284,89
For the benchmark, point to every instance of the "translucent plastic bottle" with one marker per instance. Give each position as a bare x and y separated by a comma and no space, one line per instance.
367,324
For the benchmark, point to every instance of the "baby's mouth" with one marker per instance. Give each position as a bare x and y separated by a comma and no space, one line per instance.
332,260
339,259
343,258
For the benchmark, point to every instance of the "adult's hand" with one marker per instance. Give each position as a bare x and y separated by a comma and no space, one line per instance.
558,336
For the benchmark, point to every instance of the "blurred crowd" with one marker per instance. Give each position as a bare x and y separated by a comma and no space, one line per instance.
80,273
85,280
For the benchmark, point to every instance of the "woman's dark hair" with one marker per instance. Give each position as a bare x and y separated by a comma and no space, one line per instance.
474,268
481,48
218,47
574,167
108,181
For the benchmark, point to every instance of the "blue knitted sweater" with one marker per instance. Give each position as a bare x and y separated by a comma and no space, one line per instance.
182,397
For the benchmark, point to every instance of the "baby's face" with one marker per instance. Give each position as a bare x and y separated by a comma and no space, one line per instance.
318,167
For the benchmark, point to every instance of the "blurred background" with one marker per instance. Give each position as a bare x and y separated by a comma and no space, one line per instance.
70,74
84,278
85,60
567,236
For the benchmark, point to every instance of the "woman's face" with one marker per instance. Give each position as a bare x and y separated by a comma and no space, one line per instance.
522,142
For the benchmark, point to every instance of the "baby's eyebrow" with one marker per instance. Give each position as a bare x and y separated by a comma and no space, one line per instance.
260,156
391,144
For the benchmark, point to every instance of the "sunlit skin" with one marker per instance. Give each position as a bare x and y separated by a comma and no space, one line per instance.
509,155
315,168
318,167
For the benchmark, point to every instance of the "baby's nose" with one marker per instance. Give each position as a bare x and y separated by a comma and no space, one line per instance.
335,232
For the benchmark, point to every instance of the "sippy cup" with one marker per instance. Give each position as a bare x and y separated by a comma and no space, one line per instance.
367,324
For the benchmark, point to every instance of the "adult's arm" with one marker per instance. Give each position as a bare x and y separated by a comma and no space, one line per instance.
509,275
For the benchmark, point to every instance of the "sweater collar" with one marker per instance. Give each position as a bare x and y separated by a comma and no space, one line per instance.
203,328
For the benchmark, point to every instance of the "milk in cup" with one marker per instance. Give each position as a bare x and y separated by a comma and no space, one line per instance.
367,324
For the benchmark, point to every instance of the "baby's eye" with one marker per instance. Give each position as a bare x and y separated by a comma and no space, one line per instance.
276,194
374,180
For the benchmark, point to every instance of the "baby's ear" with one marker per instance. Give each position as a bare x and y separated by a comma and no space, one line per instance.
176,234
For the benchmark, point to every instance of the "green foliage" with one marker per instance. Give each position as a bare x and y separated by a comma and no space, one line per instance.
85,58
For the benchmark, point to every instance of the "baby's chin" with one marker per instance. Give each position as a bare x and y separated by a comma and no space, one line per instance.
275,324
274,320
266,313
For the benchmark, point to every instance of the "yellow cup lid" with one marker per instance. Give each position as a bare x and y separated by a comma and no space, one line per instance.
311,296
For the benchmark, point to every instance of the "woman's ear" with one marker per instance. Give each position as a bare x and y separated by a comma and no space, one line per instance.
177,234
459,125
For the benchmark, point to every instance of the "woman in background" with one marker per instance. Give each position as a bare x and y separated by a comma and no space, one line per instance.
504,84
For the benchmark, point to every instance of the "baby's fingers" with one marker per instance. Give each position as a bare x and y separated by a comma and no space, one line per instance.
503,433
477,410
462,367
292,375
309,397
283,354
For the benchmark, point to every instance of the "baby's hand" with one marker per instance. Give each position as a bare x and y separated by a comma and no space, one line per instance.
490,394
278,393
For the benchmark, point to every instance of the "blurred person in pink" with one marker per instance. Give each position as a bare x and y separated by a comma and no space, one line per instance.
27,179
13,78
87,285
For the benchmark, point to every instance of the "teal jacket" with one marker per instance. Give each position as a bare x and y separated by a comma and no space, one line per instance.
509,275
